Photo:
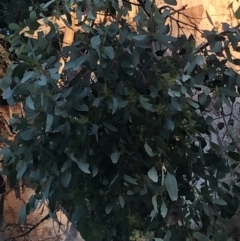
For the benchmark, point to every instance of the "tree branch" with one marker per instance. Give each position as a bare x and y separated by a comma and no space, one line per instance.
136,4
30,229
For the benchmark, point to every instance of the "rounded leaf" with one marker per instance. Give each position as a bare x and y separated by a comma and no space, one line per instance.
109,207
109,52
115,156
7,93
95,41
121,201
152,174
171,185
148,149
171,2
29,103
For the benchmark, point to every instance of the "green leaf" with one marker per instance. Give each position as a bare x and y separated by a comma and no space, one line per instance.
47,4
20,69
7,93
177,105
82,107
140,37
164,209
66,165
194,104
6,153
114,105
219,201
115,156
130,179
66,178
76,214
28,75
185,77
21,171
83,166
121,201
229,92
97,101
167,235
94,130
109,207
78,62
171,185
110,127
95,41
27,134
22,215
31,204
234,155
200,237
152,174
208,211
147,106
5,82
148,149
14,26
187,66
122,104
171,2
33,16
199,60
94,170
217,47
135,58
29,103
43,80
49,122
109,52
56,96
170,124
202,98
154,202
47,189
130,192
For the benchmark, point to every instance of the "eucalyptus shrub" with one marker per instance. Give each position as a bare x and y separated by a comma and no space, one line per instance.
119,146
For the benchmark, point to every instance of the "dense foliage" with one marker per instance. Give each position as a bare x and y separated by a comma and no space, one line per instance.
119,145
18,13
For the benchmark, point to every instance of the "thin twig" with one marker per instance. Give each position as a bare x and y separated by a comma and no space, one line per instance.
30,230
136,4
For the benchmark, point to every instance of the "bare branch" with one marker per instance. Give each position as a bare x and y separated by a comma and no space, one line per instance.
30,229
